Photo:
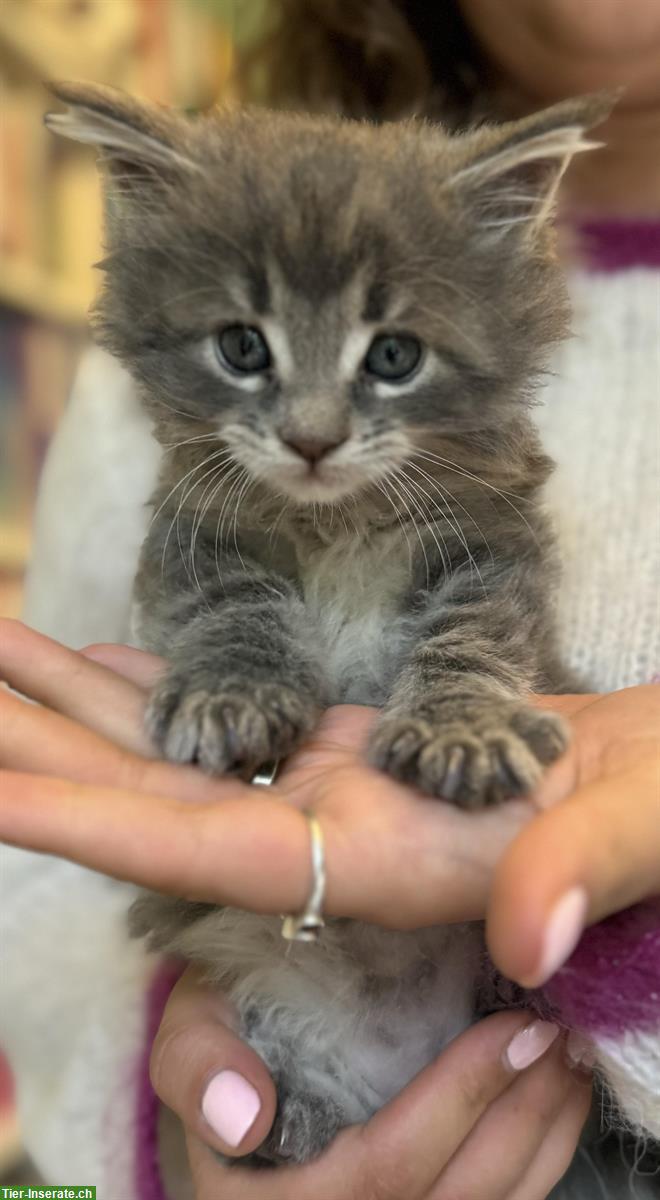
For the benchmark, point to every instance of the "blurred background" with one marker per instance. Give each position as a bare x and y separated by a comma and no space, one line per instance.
180,52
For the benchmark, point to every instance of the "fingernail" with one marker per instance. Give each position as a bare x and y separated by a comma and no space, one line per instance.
580,1053
230,1105
530,1043
562,934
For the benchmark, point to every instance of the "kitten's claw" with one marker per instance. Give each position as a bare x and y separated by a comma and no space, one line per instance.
498,753
304,1125
229,727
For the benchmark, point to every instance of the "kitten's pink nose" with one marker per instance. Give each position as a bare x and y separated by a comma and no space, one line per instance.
313,449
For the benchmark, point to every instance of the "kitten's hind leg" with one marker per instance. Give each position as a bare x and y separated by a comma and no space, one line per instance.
304,1125
309,1100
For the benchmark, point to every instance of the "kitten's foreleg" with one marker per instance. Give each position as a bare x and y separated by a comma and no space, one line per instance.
243,685
458,724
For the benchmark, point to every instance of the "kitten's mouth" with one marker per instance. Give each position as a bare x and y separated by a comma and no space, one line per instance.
317,483
321,484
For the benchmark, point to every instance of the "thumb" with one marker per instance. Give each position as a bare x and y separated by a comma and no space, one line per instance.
219,1088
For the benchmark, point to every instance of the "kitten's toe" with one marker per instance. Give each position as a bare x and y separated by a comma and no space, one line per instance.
228,727
447,762
545,733
498,753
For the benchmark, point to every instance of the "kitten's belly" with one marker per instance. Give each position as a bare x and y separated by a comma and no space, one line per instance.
356,599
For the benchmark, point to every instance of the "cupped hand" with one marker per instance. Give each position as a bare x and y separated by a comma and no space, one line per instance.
78,781
393,857
498,1115
594,846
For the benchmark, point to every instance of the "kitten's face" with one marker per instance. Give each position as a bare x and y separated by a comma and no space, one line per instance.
328,297
320,396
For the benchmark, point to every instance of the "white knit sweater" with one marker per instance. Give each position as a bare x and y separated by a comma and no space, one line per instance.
71,1002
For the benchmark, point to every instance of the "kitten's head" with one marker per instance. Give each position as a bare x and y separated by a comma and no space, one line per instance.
329,296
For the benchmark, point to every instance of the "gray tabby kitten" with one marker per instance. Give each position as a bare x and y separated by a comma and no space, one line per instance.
337,330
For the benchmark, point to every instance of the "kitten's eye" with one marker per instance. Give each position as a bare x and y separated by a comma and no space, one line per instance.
243,348
393,355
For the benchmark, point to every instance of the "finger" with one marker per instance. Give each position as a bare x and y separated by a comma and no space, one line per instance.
331,1177
38,741
213,1181
567,704
245,851
505,1142
589,856
212,1080
401,1151
557,1149
137,666
475,1070
390,859
339,737
73,685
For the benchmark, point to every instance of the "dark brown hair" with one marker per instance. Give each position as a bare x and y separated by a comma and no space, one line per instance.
379,59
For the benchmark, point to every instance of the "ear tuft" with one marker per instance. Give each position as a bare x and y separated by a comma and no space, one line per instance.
125,130
515,168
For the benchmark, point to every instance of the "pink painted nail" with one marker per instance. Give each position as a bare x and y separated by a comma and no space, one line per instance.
580,1053
530,1043
230,1106
562,934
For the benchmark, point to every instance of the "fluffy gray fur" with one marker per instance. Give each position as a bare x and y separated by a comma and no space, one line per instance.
323,535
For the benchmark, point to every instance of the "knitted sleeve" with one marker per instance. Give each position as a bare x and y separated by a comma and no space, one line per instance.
76,1016
609,990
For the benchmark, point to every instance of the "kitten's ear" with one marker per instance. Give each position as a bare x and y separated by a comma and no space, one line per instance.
129,133
512,171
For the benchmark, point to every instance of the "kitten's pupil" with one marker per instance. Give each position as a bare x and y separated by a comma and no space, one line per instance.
243,348
393,356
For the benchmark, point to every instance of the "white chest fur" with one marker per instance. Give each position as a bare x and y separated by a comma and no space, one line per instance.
353,592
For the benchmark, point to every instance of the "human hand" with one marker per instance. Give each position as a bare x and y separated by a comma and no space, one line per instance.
398,1154
78,782
470,1124
393,857
594,847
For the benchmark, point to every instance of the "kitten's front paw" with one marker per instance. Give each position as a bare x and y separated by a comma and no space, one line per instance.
499,752
231,727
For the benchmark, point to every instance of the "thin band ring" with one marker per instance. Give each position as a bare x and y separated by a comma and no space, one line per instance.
266,774
307,926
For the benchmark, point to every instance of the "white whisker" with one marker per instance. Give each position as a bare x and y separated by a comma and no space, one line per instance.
415,527
382,487
237,483
177,485
444,492
200,437
413,490
451,466
219,454
249,482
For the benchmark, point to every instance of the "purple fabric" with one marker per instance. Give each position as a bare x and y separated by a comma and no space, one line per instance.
611,983
615,245
148,1182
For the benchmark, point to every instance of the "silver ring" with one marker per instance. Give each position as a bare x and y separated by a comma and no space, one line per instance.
266,774
307,926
